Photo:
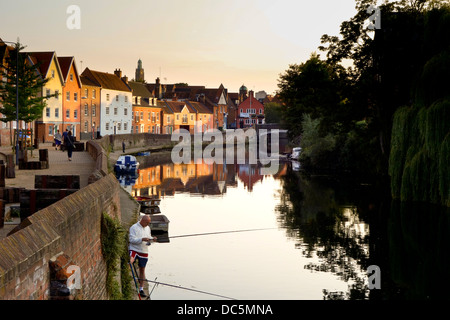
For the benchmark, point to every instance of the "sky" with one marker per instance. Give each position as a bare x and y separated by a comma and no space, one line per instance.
199,42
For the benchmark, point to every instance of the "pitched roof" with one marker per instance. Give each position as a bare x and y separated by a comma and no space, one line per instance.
65,63
86,81
44,59
106,80
139,89
199,107
178,106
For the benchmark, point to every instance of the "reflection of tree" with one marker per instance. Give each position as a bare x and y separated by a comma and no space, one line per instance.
313,213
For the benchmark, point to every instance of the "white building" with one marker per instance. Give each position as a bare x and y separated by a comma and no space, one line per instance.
116,111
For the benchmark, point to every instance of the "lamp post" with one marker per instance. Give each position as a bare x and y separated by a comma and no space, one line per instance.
17,98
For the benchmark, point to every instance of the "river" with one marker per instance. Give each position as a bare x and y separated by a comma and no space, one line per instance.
289,236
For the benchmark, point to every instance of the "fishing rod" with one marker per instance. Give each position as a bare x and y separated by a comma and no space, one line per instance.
218,232
184,288
135,282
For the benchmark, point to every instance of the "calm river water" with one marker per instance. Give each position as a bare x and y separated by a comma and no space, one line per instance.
289,236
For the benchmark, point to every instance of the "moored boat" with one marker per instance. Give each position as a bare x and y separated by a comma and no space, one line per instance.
126,163
148,201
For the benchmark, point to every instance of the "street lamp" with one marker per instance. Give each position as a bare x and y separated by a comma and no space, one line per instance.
17,99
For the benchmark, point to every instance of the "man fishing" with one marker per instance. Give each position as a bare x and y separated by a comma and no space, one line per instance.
140,239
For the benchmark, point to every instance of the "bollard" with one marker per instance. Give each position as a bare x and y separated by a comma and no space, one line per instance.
10,166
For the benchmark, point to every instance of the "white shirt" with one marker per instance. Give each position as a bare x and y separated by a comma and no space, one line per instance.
137,232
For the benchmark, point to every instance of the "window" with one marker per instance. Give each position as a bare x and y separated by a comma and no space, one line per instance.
153,117
48,92
107,110
71,77
75,114
57,112
107,126
119,126
68,95
50,130
94,110
53,73
86,109
93,94
67,113
107,97
142,115
125,111
126,98
192,117
75,96
185,118
86,126
86,93
117,97
115,111
47,112
125,126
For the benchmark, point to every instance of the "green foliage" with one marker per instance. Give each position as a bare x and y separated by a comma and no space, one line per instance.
115,253
316,149
31,101
419,160
273,112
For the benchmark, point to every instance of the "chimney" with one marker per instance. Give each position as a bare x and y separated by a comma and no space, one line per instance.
125,79
250,93
118,73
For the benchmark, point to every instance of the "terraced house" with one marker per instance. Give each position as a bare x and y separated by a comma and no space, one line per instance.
147,115
71,96
116,110
48,67
90,109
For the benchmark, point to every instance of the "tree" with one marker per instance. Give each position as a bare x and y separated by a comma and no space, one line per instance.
30,84
311,88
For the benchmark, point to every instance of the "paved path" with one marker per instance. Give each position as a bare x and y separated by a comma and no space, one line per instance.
82,164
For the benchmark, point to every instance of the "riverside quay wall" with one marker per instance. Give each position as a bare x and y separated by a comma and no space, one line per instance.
62,241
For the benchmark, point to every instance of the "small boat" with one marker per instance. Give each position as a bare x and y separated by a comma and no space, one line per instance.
148,201
126,164
295,155
159,223
150,210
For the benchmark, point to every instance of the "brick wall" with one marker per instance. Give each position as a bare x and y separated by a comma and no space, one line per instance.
71,227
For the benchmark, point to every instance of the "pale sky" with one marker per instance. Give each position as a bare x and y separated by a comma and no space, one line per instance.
201,42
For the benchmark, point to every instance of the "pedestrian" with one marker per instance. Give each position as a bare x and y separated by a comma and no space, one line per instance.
69,144
123,146
64,138
139,239
58,139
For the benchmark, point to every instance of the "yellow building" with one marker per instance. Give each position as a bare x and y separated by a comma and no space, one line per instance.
51,120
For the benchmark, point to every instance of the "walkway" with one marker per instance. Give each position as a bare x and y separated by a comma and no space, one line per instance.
82,164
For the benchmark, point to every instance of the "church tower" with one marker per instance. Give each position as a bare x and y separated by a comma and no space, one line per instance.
139,72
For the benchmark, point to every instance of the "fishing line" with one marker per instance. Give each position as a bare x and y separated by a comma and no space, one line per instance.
219,232
189,289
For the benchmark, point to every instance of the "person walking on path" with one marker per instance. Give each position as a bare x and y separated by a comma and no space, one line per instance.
68,143
58,139
140,239
64,137
123,146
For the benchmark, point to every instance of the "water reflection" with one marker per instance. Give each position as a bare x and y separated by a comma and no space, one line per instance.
328,226
197,179
338,227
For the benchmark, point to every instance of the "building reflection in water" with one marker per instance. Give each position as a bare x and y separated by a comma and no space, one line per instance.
195,178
